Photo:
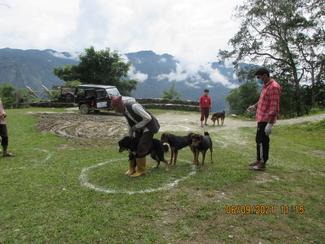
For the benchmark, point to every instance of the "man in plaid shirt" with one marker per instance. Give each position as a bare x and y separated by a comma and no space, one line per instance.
267,109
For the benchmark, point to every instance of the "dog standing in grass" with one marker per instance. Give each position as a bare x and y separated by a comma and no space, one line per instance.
175,143
201,144
216,116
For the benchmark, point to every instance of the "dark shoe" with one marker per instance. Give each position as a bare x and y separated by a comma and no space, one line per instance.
259,167
254,163
8,155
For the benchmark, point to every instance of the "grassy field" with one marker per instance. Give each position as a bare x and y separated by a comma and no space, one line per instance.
42,200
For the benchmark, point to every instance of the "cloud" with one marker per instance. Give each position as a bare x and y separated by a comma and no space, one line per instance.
195,74
217,77
162,60
37,24
5,5
194,85
72,55
191,30
179,75
136,75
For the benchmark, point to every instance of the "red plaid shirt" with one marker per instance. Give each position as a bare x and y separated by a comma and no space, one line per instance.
268,106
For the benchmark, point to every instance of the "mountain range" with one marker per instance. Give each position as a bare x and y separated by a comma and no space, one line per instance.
155,73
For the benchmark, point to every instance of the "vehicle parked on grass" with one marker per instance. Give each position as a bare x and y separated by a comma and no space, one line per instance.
95,98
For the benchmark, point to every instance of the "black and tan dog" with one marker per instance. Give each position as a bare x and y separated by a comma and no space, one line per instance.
216,116
201,144
176,143
156,151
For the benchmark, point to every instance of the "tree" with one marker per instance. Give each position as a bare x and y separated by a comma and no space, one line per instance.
102,67
171,93
311,49
7,95
240,98
287,36
233,99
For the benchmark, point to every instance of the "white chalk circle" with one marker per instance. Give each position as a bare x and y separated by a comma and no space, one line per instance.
85,182
36,162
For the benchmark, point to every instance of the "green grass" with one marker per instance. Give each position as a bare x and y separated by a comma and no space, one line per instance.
317,110
42,201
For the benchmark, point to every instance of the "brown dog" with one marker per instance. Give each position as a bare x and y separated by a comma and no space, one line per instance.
176,143
217,116
201,144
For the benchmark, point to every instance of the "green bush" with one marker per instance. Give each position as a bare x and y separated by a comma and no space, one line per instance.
241,98
7,95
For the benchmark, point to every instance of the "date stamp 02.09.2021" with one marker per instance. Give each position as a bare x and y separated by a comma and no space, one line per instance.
264,209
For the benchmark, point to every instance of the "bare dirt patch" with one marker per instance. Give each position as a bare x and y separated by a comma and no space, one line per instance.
76,126
111,126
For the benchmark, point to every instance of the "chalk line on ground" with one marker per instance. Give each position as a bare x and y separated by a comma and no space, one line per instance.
85,182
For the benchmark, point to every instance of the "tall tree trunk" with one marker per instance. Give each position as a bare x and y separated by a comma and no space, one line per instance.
297,92
313,88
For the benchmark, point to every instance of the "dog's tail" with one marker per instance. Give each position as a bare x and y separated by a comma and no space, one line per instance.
206,133
166,147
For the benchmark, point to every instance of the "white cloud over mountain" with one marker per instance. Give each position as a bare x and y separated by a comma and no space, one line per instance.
191,30
192,75
137,75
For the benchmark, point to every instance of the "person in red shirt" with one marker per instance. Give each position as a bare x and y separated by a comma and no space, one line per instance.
267,109
205,106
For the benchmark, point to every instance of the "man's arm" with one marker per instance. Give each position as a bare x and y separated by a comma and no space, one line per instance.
274,104
252,107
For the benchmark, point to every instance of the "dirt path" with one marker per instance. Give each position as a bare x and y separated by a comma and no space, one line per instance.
190,122
73,125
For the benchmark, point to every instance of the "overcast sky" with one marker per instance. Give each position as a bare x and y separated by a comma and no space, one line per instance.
191,30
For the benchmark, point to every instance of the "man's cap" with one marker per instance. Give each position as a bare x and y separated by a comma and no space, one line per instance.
116,101
206,90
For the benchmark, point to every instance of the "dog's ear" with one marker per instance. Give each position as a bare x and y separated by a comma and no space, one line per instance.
196,136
